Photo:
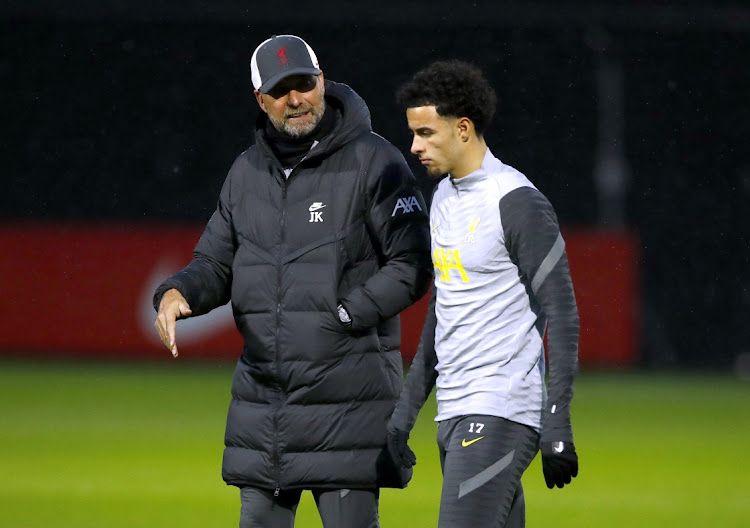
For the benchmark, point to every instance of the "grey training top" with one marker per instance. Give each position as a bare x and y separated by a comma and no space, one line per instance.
501,276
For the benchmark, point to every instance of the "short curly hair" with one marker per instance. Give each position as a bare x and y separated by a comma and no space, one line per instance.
456,89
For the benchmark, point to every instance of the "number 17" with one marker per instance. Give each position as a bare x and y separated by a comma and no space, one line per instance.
479,427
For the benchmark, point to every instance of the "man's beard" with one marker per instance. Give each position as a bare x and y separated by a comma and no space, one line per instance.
299,130
435,172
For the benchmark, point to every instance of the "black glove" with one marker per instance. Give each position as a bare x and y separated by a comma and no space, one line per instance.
401,454
559,463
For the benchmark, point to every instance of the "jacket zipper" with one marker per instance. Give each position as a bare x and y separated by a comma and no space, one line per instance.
276,454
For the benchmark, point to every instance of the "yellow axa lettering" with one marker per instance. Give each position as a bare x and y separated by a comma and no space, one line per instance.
445,260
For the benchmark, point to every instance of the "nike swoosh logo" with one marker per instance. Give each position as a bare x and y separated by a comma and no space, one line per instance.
316,206
434,228
464,443
192,329
558,447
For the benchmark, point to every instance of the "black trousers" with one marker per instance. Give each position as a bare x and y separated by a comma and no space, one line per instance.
337,508
483,459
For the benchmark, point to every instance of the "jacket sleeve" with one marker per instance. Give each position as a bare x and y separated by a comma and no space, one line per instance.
206,282
397,221
533,238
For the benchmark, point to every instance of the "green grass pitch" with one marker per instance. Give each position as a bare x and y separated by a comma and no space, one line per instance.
86,444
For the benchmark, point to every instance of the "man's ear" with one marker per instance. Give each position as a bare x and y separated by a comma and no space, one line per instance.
464,128
259,98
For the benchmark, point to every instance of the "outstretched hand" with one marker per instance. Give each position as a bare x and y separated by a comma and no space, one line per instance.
172,306
559,463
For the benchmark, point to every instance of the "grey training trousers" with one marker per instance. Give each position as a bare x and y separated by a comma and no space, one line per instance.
483,458
337,508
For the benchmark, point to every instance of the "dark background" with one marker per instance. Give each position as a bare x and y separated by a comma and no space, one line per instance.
133,112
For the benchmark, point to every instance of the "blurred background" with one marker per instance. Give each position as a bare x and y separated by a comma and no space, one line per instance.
632,117
120,120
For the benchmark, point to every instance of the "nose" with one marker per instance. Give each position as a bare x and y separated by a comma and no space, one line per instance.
294,98
416,145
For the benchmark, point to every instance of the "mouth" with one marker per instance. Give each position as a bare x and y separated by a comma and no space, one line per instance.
425,161
298,116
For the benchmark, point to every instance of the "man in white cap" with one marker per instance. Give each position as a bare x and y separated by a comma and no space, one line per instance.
320,239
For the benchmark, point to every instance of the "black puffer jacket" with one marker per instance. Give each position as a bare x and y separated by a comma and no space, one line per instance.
311,397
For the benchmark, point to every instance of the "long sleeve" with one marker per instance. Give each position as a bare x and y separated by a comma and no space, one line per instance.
536,245
421,377
206,281
398,224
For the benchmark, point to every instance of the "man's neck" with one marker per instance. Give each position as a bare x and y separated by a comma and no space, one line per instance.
290,150
474,153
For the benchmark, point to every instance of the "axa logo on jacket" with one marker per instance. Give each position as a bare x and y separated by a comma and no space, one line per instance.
407,205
